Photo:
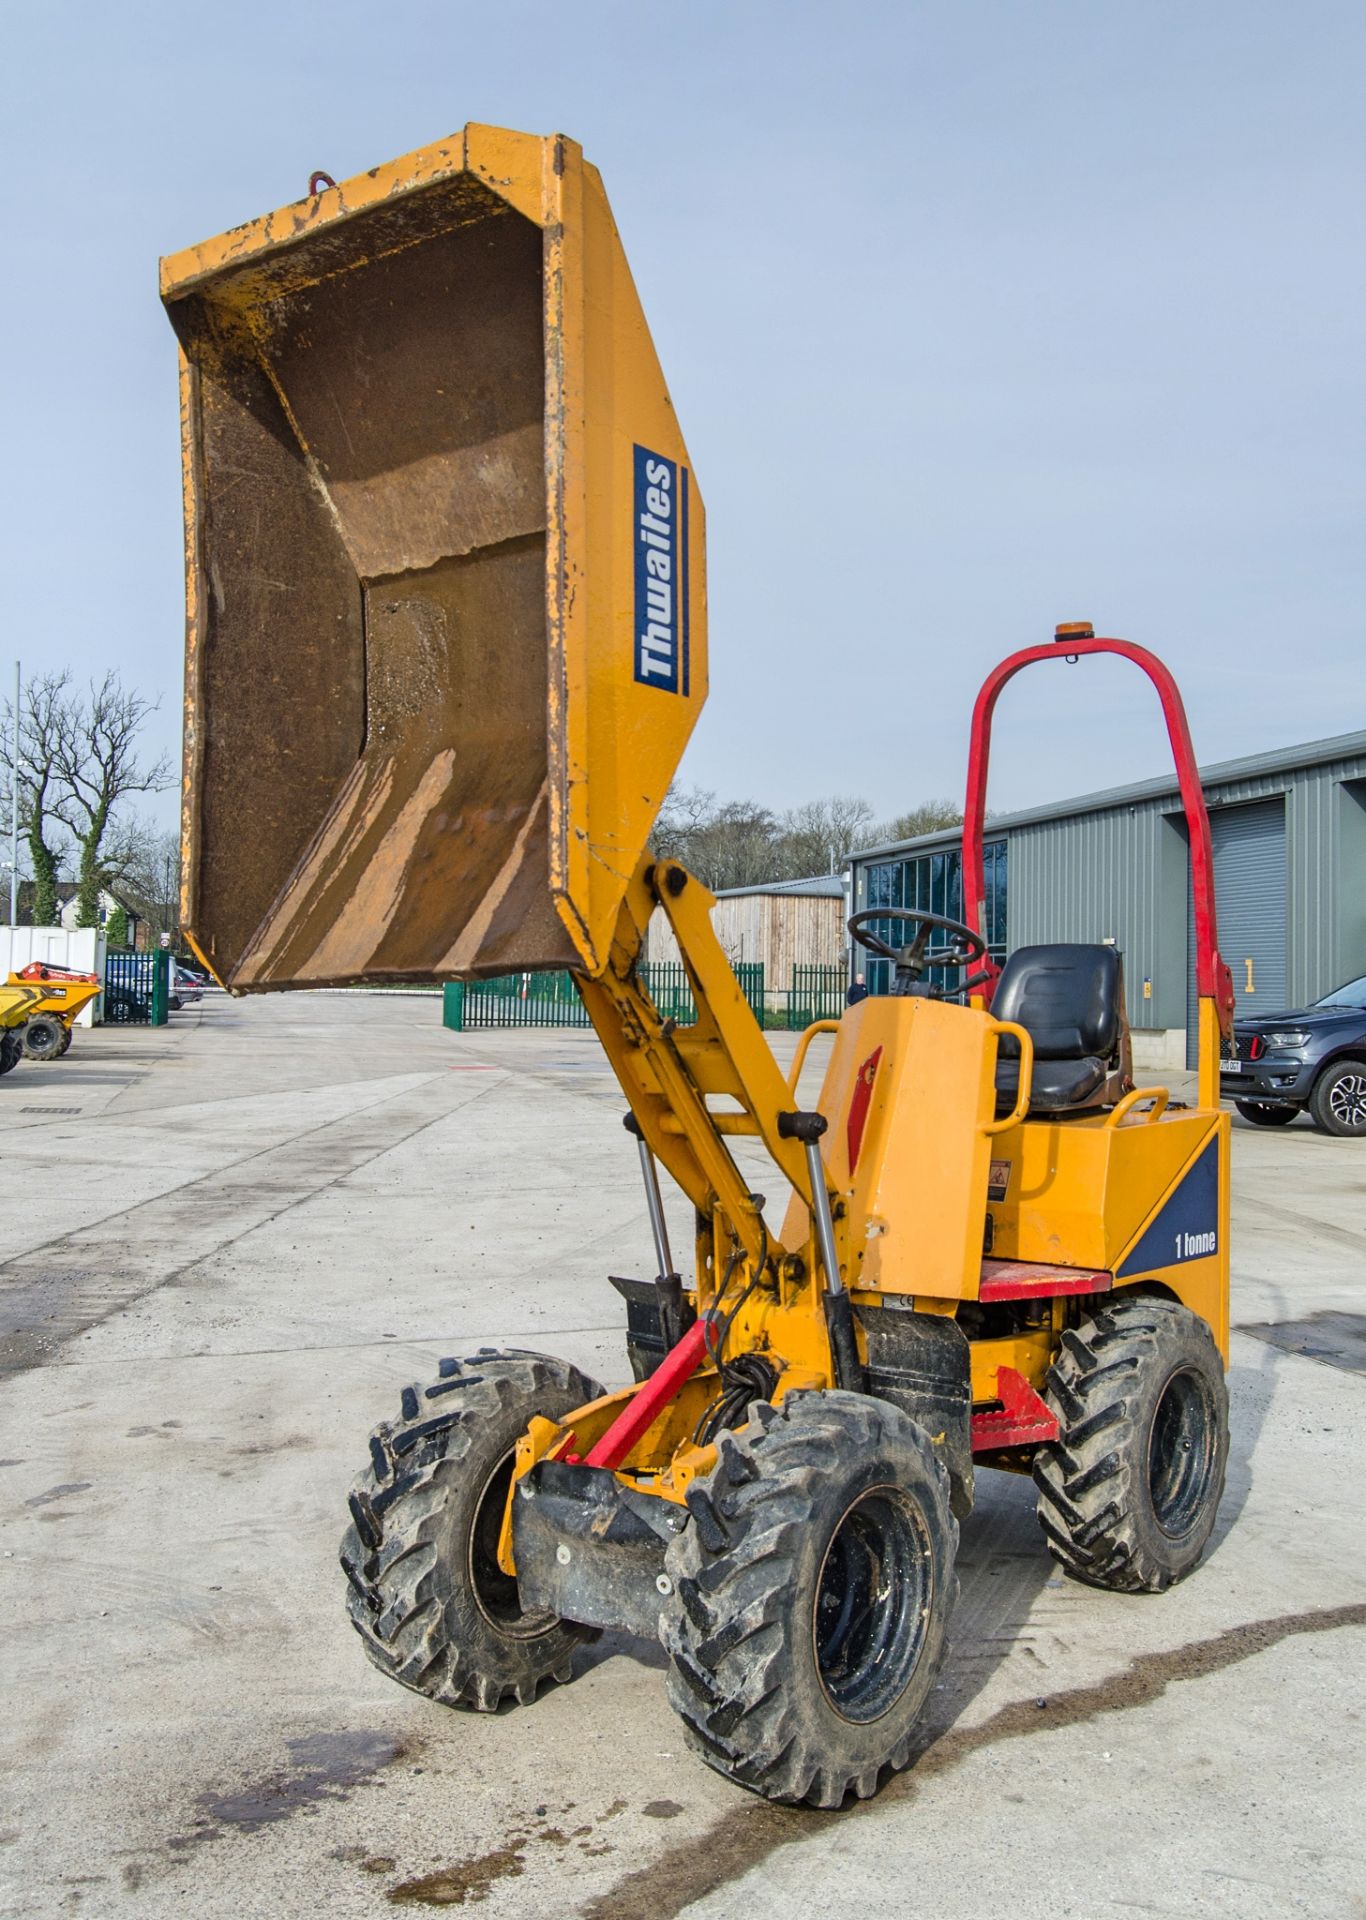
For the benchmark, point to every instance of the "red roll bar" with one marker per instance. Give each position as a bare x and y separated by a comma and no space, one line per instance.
1212,978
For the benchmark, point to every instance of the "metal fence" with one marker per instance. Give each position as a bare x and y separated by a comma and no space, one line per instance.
816,993
550,999
514,1000
136,987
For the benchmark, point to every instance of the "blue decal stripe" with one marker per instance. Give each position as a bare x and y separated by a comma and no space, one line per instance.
1187,1227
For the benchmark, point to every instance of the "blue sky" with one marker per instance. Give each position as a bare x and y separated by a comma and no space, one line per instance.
977,317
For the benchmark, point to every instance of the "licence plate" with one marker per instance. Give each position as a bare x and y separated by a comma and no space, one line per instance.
1230,1066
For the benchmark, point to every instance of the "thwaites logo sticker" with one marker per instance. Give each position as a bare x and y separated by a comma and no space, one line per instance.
660,525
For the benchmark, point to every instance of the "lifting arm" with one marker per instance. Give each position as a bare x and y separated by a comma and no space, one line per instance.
671,1075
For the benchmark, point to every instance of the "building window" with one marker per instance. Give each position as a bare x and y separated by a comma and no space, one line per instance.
933,883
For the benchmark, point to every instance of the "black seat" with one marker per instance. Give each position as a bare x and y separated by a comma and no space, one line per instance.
1070,1000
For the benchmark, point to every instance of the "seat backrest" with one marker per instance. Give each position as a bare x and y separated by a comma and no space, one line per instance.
1067,997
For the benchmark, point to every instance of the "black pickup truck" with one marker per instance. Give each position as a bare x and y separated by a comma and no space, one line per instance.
1314,1059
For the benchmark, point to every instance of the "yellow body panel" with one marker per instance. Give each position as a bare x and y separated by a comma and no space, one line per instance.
915,1196
426,441
614,742
62,998
1077,1191
18,999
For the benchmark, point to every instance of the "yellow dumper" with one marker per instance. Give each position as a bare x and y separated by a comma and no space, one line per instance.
18,999
64,994
447,640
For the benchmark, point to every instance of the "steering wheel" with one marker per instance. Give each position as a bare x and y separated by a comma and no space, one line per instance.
913,961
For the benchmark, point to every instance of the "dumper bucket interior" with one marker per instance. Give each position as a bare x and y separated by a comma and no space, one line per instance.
445,577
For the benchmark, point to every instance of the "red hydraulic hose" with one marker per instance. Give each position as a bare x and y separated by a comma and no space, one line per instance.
650,1399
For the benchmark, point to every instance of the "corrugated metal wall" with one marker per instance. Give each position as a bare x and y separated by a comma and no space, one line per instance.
1250,887
1099,877
1122,873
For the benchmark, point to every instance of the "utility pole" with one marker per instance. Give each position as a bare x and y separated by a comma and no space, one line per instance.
14,810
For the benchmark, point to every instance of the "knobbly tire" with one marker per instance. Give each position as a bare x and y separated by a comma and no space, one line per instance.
1129,1491
810,1597
11,1048
43,1037
424,1589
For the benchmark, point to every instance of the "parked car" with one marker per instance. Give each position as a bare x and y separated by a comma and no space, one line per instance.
186,989
1310,1060
121,1004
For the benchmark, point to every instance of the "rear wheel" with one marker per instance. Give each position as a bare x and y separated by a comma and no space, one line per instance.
43,1037
1264,1116
810,1597
1129,1490
66,1042
1338,1102
425,1592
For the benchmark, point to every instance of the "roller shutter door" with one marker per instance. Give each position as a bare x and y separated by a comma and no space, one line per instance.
1249,891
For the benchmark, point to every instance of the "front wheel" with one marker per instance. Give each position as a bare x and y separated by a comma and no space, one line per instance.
1129,1490
43,1037
1338,1102
810,1597
1264,1116
433,1608
11,1048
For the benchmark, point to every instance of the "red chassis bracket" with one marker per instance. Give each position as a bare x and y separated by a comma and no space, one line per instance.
1022,1420
1028,1280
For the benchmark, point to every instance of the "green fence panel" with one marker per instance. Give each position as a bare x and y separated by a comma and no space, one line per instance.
524,1000
161,989
133,982
551,999
453,1006
817,993
666,982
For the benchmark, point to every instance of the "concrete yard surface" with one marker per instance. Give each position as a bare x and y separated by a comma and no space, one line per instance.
226,1246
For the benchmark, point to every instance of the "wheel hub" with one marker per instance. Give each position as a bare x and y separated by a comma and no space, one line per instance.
873,1604
1347,1101
1180,1452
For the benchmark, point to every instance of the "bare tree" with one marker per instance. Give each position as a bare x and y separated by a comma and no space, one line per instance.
47,717
734,844
737,843
97,766
685,811
149,877
819,836
929,817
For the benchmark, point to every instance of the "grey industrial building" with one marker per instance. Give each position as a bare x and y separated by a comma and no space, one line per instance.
1289,834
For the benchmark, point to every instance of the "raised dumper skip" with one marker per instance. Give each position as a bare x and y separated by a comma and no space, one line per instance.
428,401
